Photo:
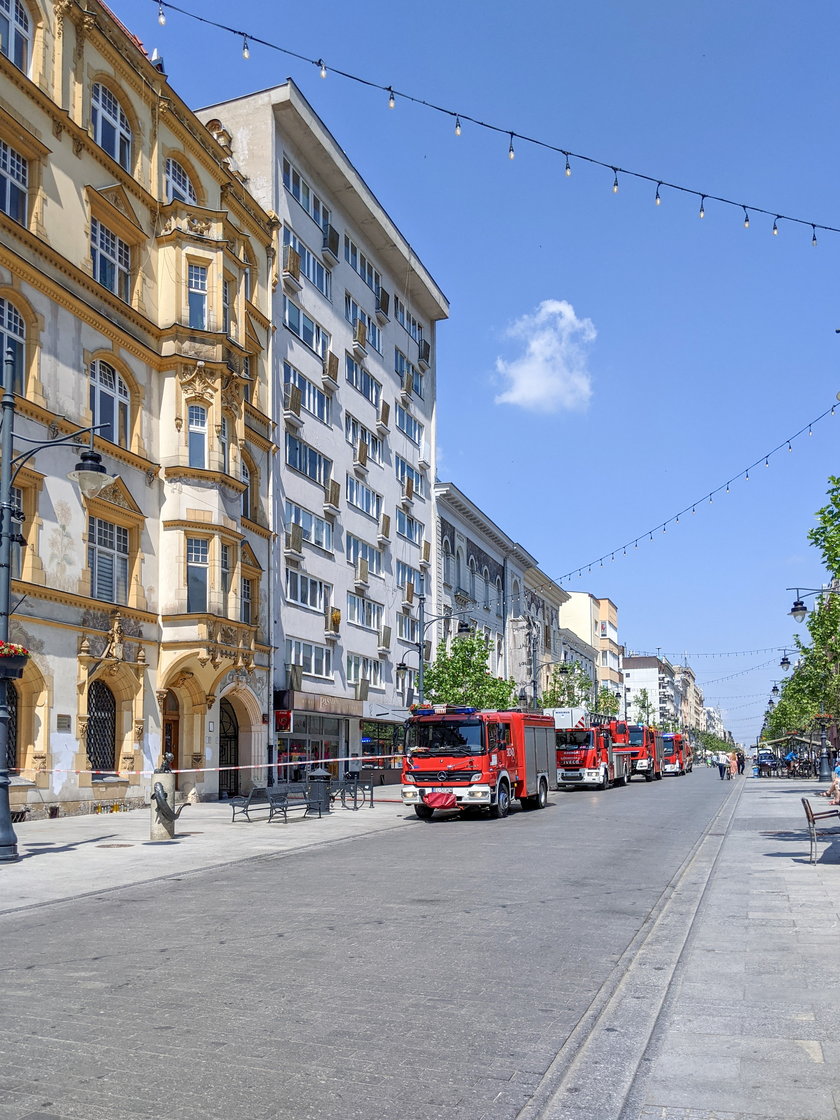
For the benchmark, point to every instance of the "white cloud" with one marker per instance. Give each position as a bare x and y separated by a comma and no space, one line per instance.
550,375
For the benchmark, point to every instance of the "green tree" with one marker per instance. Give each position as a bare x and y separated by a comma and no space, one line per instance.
461,676
607,702
644,707
569,686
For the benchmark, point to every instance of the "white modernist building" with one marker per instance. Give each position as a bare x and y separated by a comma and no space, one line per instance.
355,314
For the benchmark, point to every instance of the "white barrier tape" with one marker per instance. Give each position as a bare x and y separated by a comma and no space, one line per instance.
364,759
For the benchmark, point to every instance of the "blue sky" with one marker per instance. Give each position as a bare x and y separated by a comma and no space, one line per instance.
607,361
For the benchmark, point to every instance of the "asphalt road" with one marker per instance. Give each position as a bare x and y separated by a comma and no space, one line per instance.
434,970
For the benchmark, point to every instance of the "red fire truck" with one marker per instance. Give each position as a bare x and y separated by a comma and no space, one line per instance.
646,751
463,758
589,756
677,755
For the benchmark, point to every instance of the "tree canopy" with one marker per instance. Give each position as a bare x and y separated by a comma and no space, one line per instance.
460,676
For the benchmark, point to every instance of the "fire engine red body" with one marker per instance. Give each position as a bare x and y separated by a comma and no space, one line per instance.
461,758
591,756
677,754
646,751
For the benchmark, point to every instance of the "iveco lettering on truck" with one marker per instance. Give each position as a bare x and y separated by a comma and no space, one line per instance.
587,755
463,758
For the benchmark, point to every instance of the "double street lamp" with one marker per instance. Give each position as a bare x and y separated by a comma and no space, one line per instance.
90,476
423,624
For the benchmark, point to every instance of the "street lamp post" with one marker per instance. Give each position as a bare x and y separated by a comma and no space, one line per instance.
423,624
825,765
91,476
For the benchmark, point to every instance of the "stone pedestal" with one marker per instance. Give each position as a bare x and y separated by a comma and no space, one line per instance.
162,827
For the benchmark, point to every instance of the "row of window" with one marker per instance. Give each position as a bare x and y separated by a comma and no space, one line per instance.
316,661
307,460
479,586
316,595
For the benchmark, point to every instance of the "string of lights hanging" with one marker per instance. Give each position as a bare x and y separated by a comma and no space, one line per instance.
704,685
684,658
249,40
707,499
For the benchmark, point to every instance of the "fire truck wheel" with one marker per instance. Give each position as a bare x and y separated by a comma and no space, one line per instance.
605,780
502,806
542,795
424,812
658,776
648,777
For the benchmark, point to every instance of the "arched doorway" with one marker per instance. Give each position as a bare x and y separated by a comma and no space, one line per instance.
228,749
171,730
101,728
12,742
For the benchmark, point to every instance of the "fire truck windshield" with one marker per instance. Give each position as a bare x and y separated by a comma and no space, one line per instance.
573,739
446,737
637,736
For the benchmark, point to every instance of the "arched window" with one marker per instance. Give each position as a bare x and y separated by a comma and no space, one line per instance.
516,604
447,563
111,129
485,576
16,33
197,436
101,739
499,597
178,185
12,338
472,578
110,403
459,569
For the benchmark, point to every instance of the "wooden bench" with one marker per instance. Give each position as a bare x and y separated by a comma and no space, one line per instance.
813,818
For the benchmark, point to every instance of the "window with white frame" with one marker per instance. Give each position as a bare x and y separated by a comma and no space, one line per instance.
198,572
245,476
499,597
407,320
315,660
402,366
410,426
14,183
12,337
357,549
197,296
111,260
108,561
111,129
197,436
318,275
363,612
312,399
246,601
406,574
305,459
360,379
178,186
354,314
15,33
361,668
361,265
405,470
356,433
304,591
409,527
110,403
363,498
301,191
226,296
224,444
226,570
314,529
310,333
408,628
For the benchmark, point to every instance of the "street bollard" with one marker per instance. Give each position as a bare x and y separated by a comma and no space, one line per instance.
162,807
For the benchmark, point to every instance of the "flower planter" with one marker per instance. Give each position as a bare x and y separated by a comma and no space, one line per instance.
12,666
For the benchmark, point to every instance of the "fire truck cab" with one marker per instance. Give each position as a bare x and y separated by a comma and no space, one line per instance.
463,758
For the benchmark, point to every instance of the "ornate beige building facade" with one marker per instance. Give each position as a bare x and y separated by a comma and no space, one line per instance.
135,294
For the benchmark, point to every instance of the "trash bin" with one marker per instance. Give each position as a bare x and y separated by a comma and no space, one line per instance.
755,771
319,787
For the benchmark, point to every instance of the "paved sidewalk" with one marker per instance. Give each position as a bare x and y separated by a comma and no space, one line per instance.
751,1025
72,856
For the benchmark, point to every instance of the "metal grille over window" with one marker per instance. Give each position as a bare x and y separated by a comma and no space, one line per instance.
101,727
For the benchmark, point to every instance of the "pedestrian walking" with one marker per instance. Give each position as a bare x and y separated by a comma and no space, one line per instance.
742,762
722,764
733,765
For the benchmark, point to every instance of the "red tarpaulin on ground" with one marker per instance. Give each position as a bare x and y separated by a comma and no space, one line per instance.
441,800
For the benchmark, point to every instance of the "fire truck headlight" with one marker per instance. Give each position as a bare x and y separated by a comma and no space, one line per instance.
476,777
408,777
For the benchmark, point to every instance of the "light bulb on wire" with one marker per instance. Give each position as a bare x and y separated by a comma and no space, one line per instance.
323,68
702,213
658,198
746,219
814,236
246,53
615,181
568,165
457,126
511,152
775,230
161,15
391,99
